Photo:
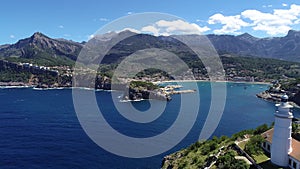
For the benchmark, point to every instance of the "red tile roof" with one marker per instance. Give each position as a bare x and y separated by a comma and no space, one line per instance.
296,149
268,135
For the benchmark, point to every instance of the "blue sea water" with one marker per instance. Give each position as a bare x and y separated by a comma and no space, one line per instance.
40,129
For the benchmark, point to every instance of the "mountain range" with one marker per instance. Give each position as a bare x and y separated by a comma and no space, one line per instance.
285,48
40,46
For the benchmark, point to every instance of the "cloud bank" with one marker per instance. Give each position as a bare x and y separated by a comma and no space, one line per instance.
273,23
279,21
164,27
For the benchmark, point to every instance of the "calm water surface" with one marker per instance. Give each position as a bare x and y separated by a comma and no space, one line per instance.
39,129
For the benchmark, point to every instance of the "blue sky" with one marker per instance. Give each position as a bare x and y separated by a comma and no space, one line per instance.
78,19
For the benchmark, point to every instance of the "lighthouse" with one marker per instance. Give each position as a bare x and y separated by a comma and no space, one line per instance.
281,143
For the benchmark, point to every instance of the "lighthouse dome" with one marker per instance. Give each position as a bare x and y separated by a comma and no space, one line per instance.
284,98
283,108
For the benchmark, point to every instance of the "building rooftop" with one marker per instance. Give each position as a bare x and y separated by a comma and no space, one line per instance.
296,149
268,135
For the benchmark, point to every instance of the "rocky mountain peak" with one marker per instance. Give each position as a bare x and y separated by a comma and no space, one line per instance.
293,33
38,37
39,45
247,37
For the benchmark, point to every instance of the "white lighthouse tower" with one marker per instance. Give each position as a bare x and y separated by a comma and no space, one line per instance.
281,142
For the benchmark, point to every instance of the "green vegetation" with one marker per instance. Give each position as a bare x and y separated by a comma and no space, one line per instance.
219,150
228,161
253,146
269,165
290,85
260,129
14,76
198,154
261,158
22,76
143,85
242,144
152,73
106,70
261,68
46,79
44,51
295,128
44,59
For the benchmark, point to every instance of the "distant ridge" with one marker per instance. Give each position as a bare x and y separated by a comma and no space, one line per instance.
284,48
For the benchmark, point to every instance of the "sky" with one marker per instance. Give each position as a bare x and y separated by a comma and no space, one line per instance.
77,20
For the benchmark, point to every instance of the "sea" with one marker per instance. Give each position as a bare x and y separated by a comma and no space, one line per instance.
40,128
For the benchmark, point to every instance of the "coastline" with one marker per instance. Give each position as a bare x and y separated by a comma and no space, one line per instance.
217,81
15,87
8,85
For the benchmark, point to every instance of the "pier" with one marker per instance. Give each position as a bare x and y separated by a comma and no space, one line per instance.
170,90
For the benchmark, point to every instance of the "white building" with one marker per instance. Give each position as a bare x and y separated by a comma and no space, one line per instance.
285,151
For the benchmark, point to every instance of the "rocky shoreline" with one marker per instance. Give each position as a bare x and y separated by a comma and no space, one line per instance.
269,96
132,94
274,95
21,84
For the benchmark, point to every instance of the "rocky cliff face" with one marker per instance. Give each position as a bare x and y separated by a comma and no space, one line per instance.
138,94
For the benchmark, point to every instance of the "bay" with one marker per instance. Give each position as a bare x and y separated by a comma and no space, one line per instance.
40,129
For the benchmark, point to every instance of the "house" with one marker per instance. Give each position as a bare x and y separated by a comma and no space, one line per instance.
284,150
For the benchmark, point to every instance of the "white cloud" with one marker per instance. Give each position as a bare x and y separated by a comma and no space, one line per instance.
231,24
272,30
12,36
61,26
278,22
166,28
151,29
284,4
199,20
129,13
290,14
180,27
267,6
103,19
91,37
130,29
